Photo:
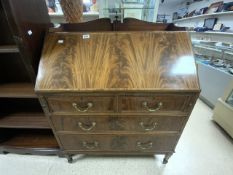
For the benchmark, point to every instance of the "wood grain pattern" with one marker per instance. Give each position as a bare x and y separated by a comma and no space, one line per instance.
73,10
116,61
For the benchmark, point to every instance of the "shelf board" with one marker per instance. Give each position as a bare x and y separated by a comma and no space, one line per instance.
17,90
9,49
30,142
24,120
204,15
213,33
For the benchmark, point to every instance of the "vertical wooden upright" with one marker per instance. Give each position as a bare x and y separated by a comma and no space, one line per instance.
73,10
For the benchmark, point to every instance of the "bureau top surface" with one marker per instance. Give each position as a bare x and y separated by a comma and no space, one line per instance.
117,61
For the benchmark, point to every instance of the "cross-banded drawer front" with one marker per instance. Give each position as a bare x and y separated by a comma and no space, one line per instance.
102,124
155,103
82,104
121,143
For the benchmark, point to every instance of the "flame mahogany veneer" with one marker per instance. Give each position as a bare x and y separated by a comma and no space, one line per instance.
120,93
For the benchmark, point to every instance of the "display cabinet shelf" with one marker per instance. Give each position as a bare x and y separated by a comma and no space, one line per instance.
17,90
204,15
213,33
36,120
25,141
9,49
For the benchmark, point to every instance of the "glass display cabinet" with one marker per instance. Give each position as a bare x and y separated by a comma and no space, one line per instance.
94,9
139,9
215,68
216,54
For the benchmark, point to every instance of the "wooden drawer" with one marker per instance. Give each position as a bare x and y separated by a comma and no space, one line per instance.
81,104
121,143
156,103
104,124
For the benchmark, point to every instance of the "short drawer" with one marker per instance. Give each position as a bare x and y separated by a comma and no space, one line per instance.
121,143
81,104
156,103
104,124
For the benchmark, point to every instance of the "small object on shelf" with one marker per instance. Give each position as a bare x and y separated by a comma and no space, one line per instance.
209,23
230,70
201,29
218,26
203,10
218,63
214,7
224,29
182,12
191,13
175,16
228,6
90,6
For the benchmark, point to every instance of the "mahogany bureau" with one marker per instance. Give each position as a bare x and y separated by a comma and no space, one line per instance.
118,93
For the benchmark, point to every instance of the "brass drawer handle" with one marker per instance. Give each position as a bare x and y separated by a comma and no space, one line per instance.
88,128
147,127
158,107
91,145
82,109
144,146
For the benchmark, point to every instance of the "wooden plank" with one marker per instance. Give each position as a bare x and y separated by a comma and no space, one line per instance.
9,49
17,90
24,120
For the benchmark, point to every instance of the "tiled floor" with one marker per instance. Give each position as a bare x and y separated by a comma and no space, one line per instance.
204,149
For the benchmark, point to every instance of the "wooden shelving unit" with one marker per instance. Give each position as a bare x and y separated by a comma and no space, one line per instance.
23,125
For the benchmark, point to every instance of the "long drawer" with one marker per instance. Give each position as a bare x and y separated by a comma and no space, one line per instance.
140,143
152,103
98,124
